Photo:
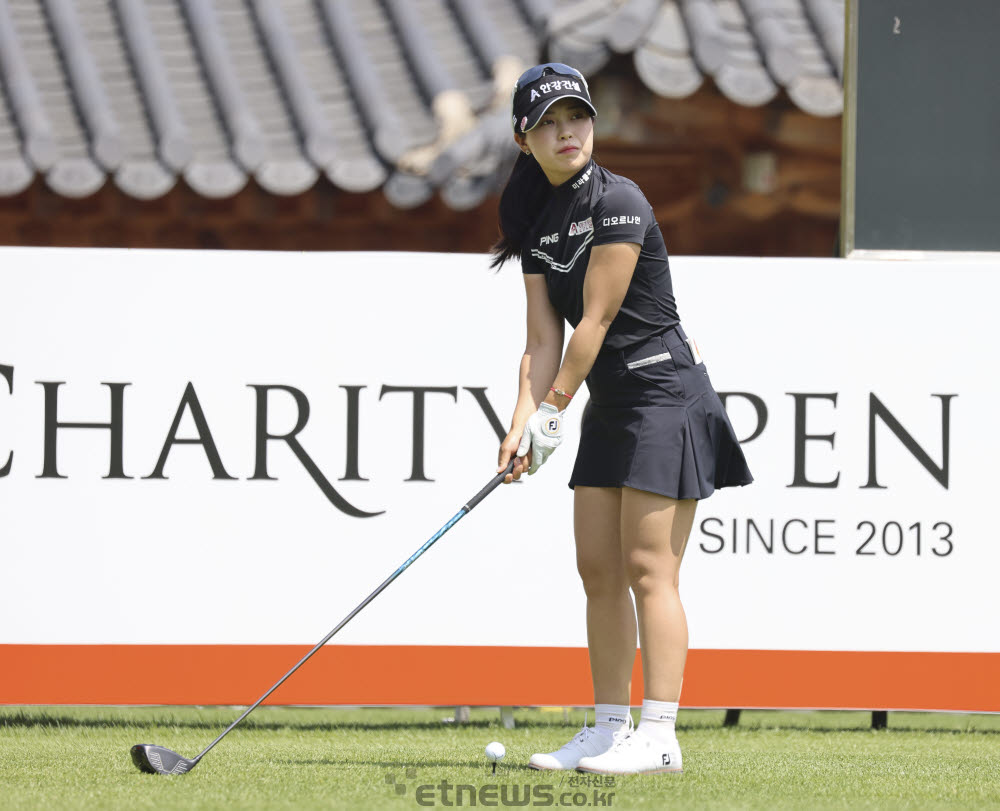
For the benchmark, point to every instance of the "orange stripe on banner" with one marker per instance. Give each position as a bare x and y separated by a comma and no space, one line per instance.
517,676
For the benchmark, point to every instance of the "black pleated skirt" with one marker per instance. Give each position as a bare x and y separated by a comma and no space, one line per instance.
655,423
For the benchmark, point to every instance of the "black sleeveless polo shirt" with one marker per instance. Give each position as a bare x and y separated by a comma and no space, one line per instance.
597,207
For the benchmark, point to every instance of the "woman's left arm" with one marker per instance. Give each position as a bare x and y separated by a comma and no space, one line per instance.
608,275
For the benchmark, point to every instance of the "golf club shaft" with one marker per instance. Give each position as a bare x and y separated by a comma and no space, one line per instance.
467,508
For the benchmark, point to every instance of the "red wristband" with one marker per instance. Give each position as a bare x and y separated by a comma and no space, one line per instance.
560,392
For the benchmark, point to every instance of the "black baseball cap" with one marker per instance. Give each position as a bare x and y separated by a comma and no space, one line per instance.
540,87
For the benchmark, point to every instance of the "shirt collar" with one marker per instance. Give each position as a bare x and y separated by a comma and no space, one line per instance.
578,181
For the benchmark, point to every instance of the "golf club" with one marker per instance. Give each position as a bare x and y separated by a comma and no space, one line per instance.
159,760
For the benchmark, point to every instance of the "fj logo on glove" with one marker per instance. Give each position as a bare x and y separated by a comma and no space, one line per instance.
542,434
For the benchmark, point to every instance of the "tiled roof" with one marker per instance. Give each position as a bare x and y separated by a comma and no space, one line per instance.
408,95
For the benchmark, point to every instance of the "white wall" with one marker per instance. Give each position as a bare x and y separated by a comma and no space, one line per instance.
191,559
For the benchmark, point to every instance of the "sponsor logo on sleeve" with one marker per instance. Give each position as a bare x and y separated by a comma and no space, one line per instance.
624,220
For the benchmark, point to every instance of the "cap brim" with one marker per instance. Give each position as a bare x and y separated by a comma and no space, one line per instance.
536,115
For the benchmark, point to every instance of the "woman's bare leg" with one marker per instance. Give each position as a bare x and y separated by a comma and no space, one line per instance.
611,623
654,533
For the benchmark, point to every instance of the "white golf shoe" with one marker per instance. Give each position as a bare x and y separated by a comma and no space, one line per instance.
634,753
588,741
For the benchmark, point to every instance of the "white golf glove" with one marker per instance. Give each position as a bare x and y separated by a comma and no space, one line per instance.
543,434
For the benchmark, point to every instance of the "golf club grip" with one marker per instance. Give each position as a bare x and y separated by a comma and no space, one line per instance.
489,488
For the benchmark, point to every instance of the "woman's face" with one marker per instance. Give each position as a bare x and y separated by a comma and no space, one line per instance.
562,141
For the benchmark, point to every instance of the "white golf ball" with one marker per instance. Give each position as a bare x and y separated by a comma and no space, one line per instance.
495,751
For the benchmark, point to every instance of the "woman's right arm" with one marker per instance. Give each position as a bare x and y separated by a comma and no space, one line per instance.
539,366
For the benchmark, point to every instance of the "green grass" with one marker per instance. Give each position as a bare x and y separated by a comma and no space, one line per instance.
77,757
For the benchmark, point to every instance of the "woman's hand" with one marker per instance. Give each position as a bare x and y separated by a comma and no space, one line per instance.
508,450
542,435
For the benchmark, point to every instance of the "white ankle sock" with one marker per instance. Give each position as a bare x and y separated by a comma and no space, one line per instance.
611,717
658,719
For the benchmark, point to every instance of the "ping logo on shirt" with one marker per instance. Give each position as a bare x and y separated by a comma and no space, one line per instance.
549,239
581,227
625,220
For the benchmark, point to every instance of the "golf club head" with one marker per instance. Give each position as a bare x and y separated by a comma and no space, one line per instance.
157,760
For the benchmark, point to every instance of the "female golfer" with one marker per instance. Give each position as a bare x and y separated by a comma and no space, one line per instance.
654,437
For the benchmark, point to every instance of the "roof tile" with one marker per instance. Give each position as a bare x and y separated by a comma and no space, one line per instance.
667,32
44,103
181,105
667,75
409,95
707,33
569,16
778,45
584,53
630,23
15,174
144,179
747,84
828,17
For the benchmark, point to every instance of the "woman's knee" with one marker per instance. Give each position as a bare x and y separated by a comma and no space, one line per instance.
602,575
646,572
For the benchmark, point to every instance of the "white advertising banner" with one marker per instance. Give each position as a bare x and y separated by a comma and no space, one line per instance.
228,448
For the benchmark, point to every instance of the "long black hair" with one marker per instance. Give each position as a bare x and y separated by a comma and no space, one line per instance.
522,201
